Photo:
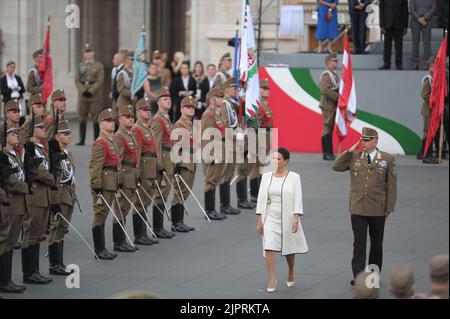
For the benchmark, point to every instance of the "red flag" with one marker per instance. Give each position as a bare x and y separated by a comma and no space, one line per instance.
45,68
438,92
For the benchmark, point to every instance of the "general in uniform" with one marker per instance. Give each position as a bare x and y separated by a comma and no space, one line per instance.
129,158
161,129
187,167
89,82
373,193
148,167
13,206
213,167
329,89
66,187
104,167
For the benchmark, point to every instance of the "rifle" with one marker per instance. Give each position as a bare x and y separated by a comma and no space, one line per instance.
54,150
6,168
29,154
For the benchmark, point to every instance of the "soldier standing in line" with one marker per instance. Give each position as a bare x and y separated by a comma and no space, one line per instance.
265,119
329,89
104,169
12,208
66,184
213,169
161,129
38,109
34,81
129,158
89,82
44,198
148,167
228,111
373,193
12,115
58,107
185,169
124,80
225,64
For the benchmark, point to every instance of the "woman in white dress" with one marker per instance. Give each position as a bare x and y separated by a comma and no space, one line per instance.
279,209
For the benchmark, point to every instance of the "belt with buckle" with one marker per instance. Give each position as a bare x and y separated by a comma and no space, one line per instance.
110,168
148,154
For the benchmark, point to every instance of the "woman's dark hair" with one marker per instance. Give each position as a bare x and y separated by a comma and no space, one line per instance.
200,63
284,152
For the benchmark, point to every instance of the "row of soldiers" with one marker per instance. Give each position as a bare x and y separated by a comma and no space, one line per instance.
37,188
132,169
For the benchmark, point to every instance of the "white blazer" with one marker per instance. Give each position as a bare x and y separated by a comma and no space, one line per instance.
291,196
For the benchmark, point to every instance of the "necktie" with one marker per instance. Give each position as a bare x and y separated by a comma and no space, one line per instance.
368,159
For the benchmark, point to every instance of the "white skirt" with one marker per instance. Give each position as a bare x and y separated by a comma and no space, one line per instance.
272,230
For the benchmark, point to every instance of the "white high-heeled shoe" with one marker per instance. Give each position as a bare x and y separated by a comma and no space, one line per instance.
274,288
290,284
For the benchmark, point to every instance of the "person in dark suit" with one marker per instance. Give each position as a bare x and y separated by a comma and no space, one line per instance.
357,10
11,85
394,24
182,86
207,84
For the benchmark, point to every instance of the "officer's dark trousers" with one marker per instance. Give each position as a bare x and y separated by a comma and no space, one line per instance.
360,224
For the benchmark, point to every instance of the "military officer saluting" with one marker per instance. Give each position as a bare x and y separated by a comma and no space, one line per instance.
229,110
148,167
187,167
89,82
34,81
13,207
58,107
329,89
161,129
124,80
104,167
129,157
213,167
66,186
373,193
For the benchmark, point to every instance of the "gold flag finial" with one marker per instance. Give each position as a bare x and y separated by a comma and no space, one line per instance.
48,20
143,28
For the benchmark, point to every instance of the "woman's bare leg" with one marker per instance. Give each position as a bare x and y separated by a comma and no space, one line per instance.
291,264
270,264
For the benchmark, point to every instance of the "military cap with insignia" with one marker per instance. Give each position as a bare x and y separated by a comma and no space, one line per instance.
264,83
331,57
37,53
156,54
216,91
125,110
64,127
231,82
226,56
439,268
12,105
12,128
88,47
106,114
129,55
38,123
143,104
163,91
401,280
368,134
35,99
361,291
59,95
188,101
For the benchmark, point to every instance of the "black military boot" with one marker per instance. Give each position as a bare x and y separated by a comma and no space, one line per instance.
210,206
30,276
54,263
429,159
37,247
181,217
98,234
325,148
158,223
254,189
96,130
150,238
225,206
120,240
6,284
241,190
82,133
422,147
175,212
139,231
330,147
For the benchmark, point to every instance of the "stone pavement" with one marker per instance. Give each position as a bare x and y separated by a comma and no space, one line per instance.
223,259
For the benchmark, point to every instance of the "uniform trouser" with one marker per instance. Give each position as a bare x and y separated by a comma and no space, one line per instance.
101,211
189,177
417,29
213,175
10,227
58,226
147,184
328,118
88,106
163,184
34,225
125,205
426,125
228,172
360,224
